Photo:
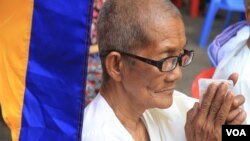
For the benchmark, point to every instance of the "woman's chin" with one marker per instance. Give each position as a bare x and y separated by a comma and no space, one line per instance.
165,102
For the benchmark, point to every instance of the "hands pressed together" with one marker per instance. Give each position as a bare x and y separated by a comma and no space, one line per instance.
220,106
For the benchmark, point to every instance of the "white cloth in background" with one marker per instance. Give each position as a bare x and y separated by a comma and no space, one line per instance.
233,44
237,60
227,34
101,124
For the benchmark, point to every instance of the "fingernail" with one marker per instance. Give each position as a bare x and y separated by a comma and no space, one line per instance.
236,102
230,95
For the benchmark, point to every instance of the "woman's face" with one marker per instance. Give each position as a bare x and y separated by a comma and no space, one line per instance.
145,84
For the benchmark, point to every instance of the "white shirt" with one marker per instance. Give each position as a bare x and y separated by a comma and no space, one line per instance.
101,124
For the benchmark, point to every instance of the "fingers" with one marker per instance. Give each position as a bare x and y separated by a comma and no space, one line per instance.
217,102
224,110
237,115
207,100
205,120
191,113
209,108
234,77
233,114
238,101
239,119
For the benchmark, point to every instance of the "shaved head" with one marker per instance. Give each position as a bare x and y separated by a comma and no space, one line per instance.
130,25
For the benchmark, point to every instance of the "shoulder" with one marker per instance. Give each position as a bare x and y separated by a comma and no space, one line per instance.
94,121
101,124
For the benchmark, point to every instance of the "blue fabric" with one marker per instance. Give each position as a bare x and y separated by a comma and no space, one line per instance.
221,39
57,69
214,7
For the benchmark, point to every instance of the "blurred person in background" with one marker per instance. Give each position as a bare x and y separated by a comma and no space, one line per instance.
231,50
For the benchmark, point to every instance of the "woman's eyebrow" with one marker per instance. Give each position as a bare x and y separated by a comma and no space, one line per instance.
173,49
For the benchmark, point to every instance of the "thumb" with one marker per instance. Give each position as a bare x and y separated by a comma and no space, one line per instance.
234,77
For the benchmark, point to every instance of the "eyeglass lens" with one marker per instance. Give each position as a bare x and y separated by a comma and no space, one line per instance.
170,63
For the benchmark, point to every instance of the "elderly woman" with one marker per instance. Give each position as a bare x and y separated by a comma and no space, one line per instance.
142,48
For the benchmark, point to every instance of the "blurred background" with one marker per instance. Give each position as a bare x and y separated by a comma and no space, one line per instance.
194,15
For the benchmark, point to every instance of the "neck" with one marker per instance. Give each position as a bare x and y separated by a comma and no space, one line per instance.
124,108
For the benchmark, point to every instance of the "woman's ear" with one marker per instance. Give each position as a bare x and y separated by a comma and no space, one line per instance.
113,65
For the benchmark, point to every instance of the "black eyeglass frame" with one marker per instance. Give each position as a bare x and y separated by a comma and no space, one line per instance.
155,63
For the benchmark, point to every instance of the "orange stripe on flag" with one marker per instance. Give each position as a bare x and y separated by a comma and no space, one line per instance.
15,28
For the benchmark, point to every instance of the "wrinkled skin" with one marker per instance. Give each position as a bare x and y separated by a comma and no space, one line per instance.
205,120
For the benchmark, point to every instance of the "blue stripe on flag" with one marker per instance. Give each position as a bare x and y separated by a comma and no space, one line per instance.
57,69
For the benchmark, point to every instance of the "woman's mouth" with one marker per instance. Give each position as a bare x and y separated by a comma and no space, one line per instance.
164,90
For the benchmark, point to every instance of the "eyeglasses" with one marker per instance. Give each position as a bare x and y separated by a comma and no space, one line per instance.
166,64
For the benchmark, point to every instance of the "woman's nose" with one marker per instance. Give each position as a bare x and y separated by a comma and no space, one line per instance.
175,74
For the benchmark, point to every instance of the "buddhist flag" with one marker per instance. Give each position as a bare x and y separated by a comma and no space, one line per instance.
44,48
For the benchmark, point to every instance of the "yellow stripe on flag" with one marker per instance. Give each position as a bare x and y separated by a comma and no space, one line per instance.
15,28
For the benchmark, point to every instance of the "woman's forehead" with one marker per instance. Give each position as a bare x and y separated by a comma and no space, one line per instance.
170,32
168,27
